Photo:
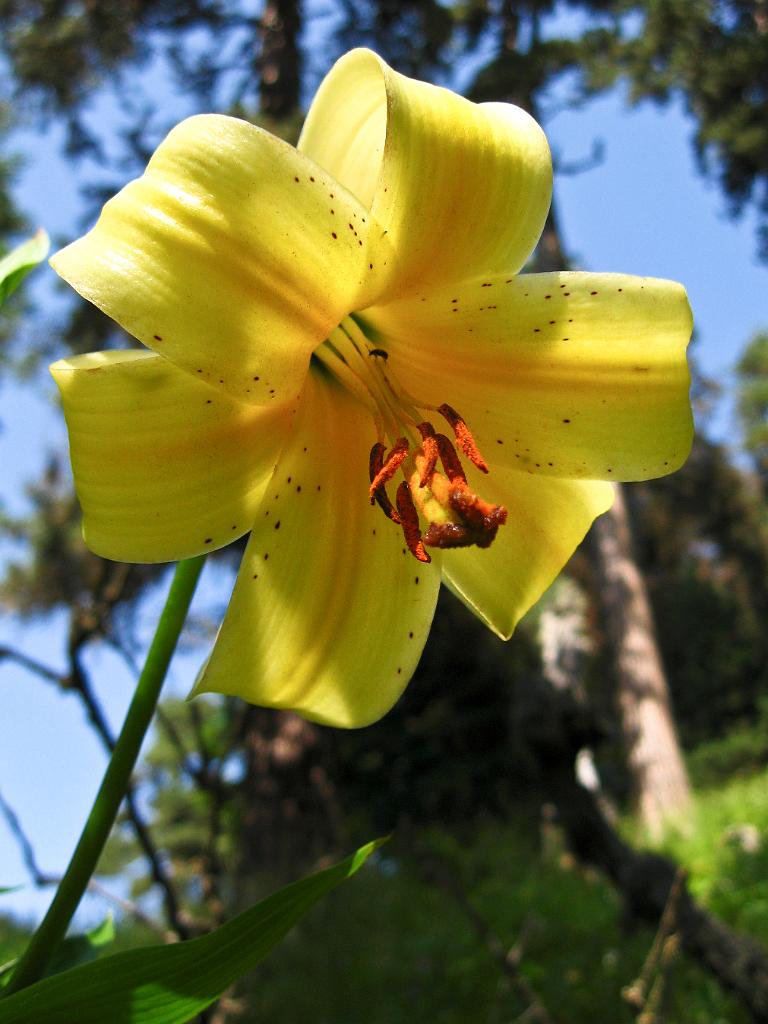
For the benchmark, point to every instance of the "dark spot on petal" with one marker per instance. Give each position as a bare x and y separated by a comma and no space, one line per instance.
593,293
257,378
410,636
566,421
234,527
295,179
311,178
255,575
399,671
334,235
536,330
208,540
277,525
208,401
298,488
499,441
266,556
288,480
157,337
416,579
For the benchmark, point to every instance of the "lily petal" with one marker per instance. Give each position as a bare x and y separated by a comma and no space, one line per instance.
330,612
461,188
165,466
233,256
570,374
547,520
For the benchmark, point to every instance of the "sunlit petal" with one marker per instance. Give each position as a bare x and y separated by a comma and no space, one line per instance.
165,466
233,256
330,612
461,188
547,519
571,374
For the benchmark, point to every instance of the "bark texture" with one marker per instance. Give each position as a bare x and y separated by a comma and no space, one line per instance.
659,778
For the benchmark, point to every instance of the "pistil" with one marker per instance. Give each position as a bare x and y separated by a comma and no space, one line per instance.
435,488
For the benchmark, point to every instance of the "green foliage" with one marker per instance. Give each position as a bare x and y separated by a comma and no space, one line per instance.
19,261
401,945
742,751
727,854
73,951
170,984
752,402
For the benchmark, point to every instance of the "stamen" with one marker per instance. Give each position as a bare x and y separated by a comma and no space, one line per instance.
450,460
410,523
390,466
375,462
430,450
463,436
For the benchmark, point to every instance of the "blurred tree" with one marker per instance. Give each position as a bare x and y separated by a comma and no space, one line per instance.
711,54
752,404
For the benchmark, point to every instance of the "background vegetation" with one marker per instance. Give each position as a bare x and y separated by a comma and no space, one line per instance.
516,887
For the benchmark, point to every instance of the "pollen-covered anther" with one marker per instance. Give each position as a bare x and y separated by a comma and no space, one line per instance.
464,436
389,465
375,464
429,452
410,522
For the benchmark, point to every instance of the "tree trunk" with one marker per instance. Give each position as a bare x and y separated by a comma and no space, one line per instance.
658,774
659,780
280,60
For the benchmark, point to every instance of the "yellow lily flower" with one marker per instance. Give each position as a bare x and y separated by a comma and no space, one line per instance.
306,310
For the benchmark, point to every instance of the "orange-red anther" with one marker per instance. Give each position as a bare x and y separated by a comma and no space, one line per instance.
463,436
450,460
390,465
375,462
430,450
410,523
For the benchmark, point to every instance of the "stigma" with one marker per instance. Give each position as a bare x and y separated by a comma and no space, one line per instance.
434,505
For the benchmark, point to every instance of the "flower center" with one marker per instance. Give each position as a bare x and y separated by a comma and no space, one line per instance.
434,486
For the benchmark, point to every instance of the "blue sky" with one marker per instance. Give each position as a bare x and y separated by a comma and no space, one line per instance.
644,210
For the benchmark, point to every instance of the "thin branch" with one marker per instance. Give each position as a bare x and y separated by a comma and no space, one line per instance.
76,681
42,879
32,665
79,683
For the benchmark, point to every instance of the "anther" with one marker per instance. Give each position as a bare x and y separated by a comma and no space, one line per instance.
430,450
463,436
375,463
390,466
410,523
450,460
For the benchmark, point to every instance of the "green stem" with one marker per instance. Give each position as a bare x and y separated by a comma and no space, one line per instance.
42,946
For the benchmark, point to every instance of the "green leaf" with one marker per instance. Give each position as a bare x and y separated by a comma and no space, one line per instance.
5,889
170,984
19,261
75,950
